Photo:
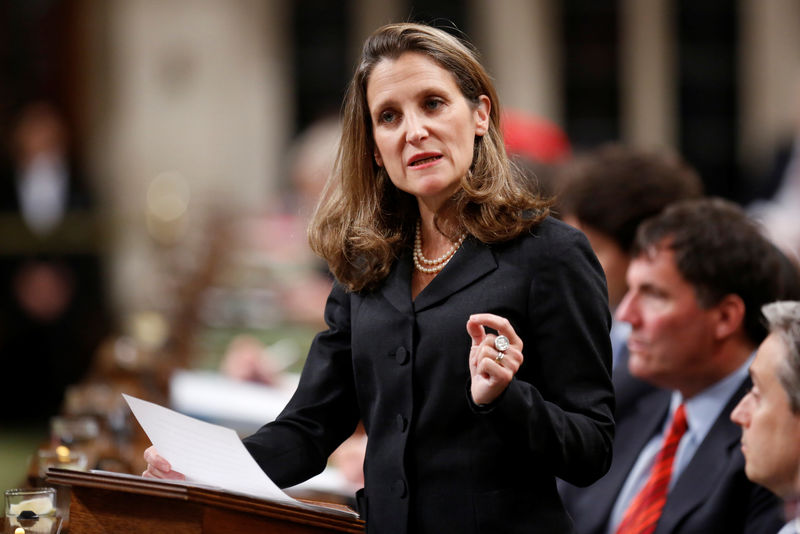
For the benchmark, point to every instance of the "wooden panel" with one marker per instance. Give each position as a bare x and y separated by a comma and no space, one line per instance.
220,521
109,502
99,511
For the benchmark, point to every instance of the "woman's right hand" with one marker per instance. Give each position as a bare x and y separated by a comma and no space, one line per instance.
491,371
158,467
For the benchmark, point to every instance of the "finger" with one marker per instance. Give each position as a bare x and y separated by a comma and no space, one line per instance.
511,360
154,472
474,354
476,331
174,475
154,459
501,324
495,372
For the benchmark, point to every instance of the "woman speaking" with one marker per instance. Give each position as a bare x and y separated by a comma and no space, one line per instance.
467,329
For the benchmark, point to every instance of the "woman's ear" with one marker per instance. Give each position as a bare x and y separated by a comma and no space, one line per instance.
378,159
482,114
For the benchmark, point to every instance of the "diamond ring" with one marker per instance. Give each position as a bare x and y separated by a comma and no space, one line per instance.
501,343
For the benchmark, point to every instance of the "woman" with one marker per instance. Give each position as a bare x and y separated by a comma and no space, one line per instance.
468,330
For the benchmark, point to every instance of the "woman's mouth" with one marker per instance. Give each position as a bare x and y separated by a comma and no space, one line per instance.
423,161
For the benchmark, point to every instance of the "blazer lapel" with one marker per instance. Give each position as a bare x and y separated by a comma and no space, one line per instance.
397,287
471,262
711,461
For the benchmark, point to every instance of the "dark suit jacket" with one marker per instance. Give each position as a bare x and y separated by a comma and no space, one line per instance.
58,352
435,461
712,495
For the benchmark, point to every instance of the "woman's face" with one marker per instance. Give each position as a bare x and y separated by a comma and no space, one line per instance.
424,128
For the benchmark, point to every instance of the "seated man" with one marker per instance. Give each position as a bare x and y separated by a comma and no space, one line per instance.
770,413
606,193
699,275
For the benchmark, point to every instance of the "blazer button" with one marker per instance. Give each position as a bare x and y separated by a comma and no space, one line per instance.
401,355
401,422
399,488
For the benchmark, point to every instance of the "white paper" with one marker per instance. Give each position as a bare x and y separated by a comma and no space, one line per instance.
244,407
205,453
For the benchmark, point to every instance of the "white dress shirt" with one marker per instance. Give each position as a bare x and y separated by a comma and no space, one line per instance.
792,527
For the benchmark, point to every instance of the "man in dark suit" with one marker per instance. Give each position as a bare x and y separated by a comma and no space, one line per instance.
770,413
606,193
53,310
700,273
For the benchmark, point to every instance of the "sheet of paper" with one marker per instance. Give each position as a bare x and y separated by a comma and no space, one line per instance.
207,454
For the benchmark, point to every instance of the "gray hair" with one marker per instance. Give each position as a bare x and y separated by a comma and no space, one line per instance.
783,319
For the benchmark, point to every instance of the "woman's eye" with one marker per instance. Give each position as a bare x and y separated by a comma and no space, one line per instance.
433,103
386,116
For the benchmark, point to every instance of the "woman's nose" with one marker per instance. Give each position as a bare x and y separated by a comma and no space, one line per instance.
415,128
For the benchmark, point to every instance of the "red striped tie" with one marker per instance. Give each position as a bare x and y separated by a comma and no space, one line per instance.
645,509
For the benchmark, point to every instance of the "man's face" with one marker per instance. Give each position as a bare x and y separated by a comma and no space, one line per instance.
672,337
770,430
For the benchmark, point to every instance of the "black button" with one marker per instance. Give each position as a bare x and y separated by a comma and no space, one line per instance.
401,356
399,488
401,422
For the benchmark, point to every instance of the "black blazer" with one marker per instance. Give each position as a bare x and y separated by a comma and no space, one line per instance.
712,494
436,462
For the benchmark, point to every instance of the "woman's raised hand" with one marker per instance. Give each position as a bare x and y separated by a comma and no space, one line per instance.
492,365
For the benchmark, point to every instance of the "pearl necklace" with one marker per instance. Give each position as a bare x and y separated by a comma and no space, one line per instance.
423,264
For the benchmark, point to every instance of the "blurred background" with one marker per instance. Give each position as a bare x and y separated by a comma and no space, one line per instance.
172,151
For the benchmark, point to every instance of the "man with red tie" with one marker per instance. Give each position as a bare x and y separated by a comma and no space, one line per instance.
700,273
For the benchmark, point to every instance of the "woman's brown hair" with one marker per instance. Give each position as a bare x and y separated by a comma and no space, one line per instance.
363,221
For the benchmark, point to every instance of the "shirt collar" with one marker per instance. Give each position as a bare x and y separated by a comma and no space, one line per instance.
703,409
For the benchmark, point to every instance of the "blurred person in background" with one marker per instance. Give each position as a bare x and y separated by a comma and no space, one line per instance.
53,312
770,412
699,274
779,205
467,329
606,193
281,233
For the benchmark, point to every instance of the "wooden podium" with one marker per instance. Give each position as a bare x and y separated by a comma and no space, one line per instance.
103,502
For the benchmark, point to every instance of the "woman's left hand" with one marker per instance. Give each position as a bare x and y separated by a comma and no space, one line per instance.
491,370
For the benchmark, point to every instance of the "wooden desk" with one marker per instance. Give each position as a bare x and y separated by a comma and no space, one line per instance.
111,503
